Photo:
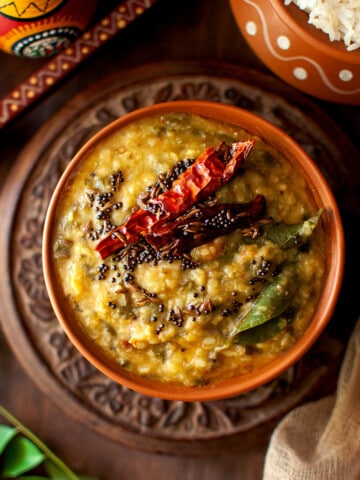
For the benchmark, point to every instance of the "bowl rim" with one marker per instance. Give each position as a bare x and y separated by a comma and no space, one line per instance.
295,18
331,289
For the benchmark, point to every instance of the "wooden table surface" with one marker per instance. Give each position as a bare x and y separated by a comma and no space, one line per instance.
171,30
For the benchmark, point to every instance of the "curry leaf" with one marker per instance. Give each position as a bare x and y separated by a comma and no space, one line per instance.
262,332
34,477
273,300
290,236
21,456
30,436
6,434
55,473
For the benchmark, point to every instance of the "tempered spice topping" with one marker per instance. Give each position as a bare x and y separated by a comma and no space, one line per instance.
169,303
213,168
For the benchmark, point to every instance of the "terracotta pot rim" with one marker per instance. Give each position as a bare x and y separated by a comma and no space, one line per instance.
331,288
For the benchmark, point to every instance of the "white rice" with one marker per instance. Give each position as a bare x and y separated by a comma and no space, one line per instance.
339,19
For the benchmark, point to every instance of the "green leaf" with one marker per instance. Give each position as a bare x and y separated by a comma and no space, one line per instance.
21,456
34,477
273,300
55,473
36,441
262,332
6,434
291,236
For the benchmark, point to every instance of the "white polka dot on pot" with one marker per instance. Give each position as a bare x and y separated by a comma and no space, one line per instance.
346,75
300,73
283,42
251,28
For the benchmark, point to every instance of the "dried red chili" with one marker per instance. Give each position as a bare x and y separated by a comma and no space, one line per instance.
202,224
213,169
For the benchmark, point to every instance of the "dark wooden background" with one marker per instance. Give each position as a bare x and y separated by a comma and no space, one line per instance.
172,30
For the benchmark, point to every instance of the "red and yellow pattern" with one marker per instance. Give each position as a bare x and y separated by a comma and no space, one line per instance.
41,81
41,28
28,9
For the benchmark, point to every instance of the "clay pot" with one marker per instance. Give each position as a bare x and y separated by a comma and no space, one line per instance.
299,53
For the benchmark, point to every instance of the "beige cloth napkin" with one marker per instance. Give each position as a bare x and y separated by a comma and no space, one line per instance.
321,440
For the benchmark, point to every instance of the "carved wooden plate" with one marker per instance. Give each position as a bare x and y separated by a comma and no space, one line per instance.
28,320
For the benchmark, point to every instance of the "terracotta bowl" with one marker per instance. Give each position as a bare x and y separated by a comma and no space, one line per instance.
299,53
330,223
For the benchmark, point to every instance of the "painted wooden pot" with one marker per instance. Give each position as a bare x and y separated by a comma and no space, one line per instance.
40,28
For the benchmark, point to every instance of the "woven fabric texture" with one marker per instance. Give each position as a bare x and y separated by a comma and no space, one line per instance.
321,440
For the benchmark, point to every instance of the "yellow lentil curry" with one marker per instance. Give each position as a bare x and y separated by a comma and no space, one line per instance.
227,305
